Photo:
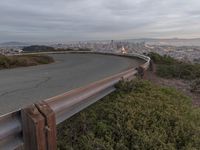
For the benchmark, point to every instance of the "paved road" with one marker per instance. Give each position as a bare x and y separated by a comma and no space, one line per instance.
23,86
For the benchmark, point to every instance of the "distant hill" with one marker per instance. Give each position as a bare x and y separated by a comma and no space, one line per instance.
38,48
14,44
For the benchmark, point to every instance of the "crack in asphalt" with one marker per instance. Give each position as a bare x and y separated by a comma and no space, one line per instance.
36,86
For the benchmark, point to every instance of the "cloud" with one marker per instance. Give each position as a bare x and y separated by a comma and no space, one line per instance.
61,20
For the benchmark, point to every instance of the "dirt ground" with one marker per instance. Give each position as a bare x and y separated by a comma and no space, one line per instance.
181,85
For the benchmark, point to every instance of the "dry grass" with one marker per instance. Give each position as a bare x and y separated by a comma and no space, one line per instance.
7,62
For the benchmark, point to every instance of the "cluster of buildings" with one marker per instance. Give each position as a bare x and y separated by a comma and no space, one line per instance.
10,51
107,46
185,53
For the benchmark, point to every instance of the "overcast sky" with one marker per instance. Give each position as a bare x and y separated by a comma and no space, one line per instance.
71,20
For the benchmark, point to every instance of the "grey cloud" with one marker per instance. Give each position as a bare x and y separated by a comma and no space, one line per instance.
50,20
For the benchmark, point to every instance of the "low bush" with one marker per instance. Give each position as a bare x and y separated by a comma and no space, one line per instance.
195,86
168,67
180,71
139,115
158,59
23,61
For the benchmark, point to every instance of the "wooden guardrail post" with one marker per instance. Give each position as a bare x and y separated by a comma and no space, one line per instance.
152,66
39,127
33,124
50,124
141,71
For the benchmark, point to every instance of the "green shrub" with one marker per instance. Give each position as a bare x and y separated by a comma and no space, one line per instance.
4,62
158,59
195,86
181,71
168,67
139,115
23,60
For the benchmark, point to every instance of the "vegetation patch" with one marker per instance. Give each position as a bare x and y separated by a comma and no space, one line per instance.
42,48
138,115
168,67
195,86
73,49
7,62
38,48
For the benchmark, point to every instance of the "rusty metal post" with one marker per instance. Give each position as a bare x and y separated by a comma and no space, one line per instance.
33,124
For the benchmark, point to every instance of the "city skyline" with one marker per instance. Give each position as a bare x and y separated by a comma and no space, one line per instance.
75,20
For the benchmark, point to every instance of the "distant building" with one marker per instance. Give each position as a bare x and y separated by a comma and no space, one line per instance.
10,51
123,50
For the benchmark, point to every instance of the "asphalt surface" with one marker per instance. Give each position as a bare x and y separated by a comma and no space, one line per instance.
23,86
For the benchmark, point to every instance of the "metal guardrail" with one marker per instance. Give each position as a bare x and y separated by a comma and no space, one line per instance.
10,131
65,105
68,104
